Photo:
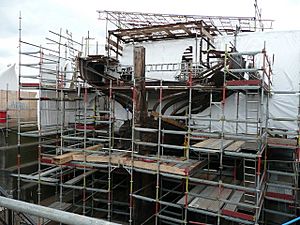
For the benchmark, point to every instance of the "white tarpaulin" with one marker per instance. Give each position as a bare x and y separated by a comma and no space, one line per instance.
8,79
284,45
159,52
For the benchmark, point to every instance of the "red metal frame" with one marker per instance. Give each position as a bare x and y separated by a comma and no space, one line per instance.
198,223
243,82
280,196
237,215
30,84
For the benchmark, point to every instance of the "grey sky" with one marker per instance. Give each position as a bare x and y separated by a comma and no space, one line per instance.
39,16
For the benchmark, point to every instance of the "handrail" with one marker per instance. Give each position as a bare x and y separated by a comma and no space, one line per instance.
292,221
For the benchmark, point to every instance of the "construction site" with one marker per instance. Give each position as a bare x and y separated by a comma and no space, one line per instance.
185,120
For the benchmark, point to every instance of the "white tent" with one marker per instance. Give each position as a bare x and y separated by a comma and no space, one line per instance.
8,77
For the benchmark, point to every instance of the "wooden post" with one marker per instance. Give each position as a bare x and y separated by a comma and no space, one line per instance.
140,116
141,106
139,76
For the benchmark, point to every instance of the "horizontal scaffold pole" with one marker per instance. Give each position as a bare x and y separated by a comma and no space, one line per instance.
292,221
49,213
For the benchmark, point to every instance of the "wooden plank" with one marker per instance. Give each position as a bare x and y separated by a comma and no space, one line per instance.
114,50
67,157
115,44
207,34
202,202
282,141
213,143
80,177
195,190
250,146
216,205
185,166
235,198
235,146
206,176
222,143
64,158
205,143
168,32
115,158
210,204
95,147
185,29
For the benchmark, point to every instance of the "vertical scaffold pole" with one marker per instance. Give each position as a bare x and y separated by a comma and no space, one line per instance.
133,89
297,154
186,195
109,202
59,113
222,119
157,205
40,133
84,149
19,112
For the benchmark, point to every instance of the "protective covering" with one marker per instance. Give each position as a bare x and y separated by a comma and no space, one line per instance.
285,46
9,77
160,52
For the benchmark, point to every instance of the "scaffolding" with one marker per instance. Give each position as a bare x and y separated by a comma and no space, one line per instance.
195,158
215,188
282,187
220,24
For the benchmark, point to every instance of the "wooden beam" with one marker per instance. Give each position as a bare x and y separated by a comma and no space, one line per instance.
114,50
179,168
64,158
204,32
115,44
149,33
170,121
67,157
185,29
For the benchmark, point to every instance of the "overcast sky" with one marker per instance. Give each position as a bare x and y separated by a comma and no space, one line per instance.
39,16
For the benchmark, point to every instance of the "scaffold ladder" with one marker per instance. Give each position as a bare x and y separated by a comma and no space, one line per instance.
252,112
250,179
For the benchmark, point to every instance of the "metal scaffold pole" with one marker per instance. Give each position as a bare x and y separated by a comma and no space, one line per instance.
59,114
131,207
110,143
222,133
86,101
157,187
19,113
39,191
49,213
198,152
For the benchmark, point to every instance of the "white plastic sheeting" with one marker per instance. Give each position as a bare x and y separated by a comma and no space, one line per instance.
50,110
160,52
284,45
8,79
